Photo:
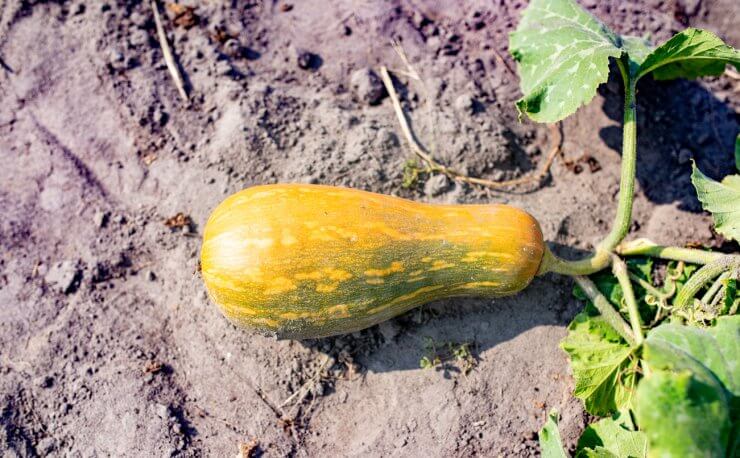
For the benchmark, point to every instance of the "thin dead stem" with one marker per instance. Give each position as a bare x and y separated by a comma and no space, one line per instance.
169,59
555,142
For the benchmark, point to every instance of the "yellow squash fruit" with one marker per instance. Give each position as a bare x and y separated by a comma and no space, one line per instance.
306,261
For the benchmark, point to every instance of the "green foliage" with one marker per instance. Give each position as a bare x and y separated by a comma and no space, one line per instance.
689,54
563,56
684,405
440,355
680,385
722,200
682,415
551,445
603,364
612,437
737,152
411,172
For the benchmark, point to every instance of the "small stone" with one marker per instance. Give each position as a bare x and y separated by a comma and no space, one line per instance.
150,275
465,103
162,410
46,446
307,60
684,156
65,275
45,382
368,86
233,48
101,218
436,185
161,117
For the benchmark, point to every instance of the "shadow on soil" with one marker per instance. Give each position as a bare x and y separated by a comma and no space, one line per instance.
677,121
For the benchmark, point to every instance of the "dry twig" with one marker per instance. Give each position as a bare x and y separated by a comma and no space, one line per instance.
434,166
168,57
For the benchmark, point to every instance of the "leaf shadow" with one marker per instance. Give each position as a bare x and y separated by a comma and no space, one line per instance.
676,121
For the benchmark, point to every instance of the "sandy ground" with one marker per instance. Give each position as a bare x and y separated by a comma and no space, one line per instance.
108,344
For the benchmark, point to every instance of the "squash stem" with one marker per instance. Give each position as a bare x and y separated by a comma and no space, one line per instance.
601,257
645,247
707,273
604,307
619,269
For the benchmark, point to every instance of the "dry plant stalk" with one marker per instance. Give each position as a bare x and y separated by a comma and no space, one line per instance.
434,166
169,59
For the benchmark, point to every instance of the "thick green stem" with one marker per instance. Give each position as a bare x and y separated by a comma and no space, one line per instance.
644,247
604,307
619,268
716,286
601,257
685,296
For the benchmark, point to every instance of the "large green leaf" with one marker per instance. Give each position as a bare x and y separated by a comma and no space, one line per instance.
690,54
682,416
686,405
711,354
551,446
563,56
602,362
722,200
727,335
614,436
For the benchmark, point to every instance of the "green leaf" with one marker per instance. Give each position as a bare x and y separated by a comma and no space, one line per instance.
602,362
614,436
727,335
710,354
737,152
682,416
722,200
689,54
563,56
730,295
551,446
683,405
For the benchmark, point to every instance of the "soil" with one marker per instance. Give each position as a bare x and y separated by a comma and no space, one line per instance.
108,344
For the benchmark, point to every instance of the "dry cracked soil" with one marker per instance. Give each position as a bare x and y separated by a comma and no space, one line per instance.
108,343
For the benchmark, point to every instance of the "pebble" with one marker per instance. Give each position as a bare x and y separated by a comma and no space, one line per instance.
307,60
65,275
684,156
465,103
368,86
46,445
162,410
436,185
101,218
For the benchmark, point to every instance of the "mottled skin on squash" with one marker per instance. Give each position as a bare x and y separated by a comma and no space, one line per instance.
306,261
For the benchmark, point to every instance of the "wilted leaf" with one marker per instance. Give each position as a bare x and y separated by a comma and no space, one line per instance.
602,362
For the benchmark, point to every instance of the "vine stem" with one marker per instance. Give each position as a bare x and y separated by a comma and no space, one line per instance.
619,269
601,257
703,276
645,247
608,312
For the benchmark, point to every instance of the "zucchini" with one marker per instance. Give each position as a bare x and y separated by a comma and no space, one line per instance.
307,261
